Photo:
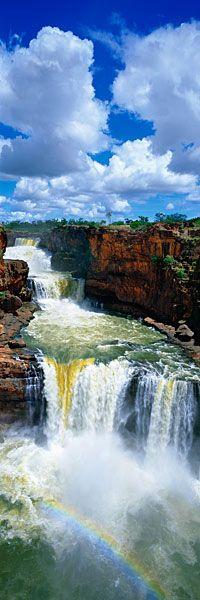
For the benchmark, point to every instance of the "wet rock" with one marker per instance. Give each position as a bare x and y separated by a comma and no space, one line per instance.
17,343
10,303
184,333
15,362
162,327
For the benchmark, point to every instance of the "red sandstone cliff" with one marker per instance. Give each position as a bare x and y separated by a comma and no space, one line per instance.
122,270
128,270
16,363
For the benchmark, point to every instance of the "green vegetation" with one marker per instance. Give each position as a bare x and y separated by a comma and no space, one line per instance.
180,272
155,259
141,224
195,222
169,260
174,218
45,226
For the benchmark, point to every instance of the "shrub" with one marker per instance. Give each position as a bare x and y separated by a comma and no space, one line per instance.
169,260
154,259
180,272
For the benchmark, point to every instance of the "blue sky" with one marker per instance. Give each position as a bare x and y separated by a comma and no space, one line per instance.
145,131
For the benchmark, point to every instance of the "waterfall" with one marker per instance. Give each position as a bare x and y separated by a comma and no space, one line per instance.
144,398
34,393
23,241
59,385
165,410
52,285
84,395
39,261
99,395
88,396
80,290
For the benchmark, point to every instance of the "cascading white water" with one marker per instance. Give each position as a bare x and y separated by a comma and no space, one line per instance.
98,395
52,394
44,282
23,241
144,399
165,408
27,249
80,291
165,413
34,393
53,285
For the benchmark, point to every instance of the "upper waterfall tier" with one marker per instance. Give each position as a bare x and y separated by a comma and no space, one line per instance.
44,282
27,249
24,241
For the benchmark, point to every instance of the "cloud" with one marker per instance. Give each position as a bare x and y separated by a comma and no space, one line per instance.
136,168
160,82
46,92
134,174
170,206
108,39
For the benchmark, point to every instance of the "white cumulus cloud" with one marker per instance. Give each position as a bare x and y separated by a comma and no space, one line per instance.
160,82
134,173
47,93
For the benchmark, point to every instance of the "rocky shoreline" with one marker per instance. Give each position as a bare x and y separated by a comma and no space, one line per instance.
181,336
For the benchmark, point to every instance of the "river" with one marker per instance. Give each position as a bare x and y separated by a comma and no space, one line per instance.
101,499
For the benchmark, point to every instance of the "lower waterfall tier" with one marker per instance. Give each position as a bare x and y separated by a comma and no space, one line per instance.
159,411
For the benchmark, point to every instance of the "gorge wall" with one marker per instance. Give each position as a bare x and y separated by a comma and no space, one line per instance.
17,364
153,273
131,270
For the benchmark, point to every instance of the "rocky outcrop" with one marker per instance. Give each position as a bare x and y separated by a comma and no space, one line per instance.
18,366
122,271
13,285
3,241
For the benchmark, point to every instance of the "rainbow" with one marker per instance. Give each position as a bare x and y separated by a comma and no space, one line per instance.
146,586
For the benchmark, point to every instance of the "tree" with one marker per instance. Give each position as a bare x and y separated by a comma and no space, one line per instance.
143,219
160,217
173,218
176,218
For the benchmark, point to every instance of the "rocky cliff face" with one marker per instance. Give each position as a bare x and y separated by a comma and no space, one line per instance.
154,272
123,270
18,370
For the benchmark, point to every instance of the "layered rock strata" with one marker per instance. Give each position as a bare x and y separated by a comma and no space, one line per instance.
18,366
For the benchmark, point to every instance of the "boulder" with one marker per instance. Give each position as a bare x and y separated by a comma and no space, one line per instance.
184,333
